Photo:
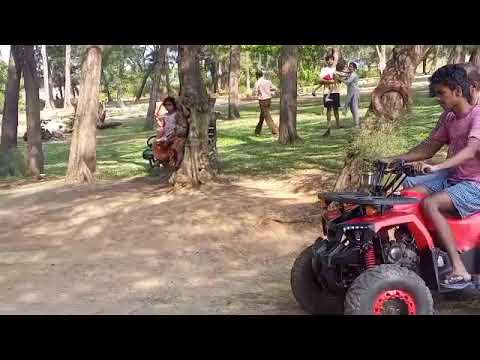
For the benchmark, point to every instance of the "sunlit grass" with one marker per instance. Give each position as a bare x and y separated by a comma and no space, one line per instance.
119,150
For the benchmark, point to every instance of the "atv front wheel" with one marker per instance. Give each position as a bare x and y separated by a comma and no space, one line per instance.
309,294
388,290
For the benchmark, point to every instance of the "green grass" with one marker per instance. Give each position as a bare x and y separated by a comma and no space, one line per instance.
119,150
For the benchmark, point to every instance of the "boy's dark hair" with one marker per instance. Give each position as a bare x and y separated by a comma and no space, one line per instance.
329,56
171,100
452,76
354,65
259,74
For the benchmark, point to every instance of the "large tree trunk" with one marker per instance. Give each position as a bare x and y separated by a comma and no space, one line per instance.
48,97
8,144
234,74
475,56
82,159
144,80
197,166
457,55
32,101
392,95
68,83
10,107
382,57
288,100
390,99
158,86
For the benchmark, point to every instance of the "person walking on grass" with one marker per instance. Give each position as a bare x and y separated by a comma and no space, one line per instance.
263,90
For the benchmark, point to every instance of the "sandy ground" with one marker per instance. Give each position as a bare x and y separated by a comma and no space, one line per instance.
134,247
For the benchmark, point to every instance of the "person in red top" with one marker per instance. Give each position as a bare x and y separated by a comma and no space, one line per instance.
460,191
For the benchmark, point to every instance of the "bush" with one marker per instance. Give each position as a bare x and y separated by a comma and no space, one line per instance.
375,145
12,163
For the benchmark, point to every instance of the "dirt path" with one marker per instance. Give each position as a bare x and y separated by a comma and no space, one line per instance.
133,247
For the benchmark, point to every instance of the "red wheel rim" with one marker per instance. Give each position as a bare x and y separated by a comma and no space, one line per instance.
388,296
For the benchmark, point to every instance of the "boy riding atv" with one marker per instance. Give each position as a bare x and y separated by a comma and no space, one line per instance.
458,191
385,252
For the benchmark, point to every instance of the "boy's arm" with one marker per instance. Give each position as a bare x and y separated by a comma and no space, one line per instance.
422,151
467,153
347,80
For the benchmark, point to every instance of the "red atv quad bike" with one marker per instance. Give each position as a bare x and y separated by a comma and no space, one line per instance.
380,255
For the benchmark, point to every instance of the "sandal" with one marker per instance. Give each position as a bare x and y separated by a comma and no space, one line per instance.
457,282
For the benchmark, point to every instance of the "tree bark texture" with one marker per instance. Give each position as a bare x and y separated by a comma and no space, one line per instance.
288,100
234,74
390,99
10,108
158,86
82,159
35,160
68,84
457,55
197,167
46,87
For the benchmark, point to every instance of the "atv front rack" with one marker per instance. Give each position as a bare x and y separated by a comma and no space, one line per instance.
366,199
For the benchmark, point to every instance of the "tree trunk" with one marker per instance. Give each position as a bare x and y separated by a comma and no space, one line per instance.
32,101
223,76
288,100
48,98
68,83
337,55
51,85
144,80
10,107
120,84
457,55
475,56
158,86
197,167
82,159
234,75
213,68
167,78
107,89
390,99
433,65
392,95
8,144
382,57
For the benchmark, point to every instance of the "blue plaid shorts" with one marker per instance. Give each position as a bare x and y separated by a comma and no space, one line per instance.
465,195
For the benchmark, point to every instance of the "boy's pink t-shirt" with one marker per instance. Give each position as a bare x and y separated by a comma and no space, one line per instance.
456,130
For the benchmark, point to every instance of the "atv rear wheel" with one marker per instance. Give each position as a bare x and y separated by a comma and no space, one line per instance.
310,295
388,290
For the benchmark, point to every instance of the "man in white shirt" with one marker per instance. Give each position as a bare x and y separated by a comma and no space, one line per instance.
263,90
331,94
